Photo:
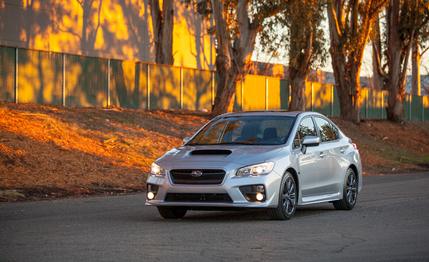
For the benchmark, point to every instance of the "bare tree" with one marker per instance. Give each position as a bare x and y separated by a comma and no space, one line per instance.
350,24
163,20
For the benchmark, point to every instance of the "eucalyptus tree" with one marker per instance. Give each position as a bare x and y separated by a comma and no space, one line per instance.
405,25
237,23
350,24
302,37
163,23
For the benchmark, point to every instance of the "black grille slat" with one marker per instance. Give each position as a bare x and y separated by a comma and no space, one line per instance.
195,197
208,177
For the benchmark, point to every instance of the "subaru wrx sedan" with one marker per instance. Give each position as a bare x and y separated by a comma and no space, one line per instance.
272,160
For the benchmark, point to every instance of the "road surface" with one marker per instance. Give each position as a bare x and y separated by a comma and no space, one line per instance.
390,222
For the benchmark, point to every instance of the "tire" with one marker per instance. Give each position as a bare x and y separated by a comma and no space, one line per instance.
288,199
350,192
172,212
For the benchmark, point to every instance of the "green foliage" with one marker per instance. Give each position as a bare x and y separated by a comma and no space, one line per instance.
258,12
293,29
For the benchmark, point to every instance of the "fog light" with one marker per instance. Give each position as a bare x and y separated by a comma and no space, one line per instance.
253,193
259,196
150,195
152,190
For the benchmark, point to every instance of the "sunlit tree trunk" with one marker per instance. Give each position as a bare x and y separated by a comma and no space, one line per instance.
416,60
297,87
232,60
163,20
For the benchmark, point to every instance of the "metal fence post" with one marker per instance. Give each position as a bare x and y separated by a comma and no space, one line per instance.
366,104
409,109
332,101
242,93
63,83
108,82
266,93
16,77
212,87
148,87
311,105
181,87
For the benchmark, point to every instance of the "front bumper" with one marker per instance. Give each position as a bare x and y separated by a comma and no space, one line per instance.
230,185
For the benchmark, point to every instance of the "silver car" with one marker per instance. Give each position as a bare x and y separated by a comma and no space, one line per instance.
272,160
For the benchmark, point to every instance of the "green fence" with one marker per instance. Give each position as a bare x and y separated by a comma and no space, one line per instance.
28,76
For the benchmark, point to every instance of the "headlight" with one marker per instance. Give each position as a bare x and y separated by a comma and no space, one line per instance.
156,170
256,170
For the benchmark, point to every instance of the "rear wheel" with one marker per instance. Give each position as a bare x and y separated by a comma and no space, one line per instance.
350,192
172,212
288,199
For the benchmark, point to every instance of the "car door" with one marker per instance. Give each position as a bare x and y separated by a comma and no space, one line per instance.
312,167
330,147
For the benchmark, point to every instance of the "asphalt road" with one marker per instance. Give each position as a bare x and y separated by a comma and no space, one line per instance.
390,222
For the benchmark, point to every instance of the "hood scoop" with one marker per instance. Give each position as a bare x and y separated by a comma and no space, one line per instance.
211,152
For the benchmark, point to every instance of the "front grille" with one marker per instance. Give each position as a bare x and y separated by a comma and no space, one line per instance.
203,177
192,197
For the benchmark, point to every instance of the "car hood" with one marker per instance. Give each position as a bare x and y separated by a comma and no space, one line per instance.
222,155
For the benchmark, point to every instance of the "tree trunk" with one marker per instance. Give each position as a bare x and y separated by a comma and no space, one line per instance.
231,60
396,81
297,86
226,89
377,76
347,84
163,21
347,61
416,57
397,56
396,87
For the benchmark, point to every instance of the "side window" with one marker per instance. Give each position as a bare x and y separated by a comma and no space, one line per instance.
306,128
327,131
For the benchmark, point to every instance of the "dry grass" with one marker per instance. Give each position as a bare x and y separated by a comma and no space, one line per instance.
48,151
387,147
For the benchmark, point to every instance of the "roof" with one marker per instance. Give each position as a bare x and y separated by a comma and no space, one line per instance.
264,113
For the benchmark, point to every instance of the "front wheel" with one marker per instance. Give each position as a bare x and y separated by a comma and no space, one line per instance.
172,212
288,199
350,192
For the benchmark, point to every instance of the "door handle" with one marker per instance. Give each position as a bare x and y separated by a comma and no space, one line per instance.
322,154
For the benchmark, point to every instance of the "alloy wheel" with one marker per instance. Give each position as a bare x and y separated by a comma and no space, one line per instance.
289,196
351,188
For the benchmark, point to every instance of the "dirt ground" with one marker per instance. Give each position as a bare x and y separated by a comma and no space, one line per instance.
48,152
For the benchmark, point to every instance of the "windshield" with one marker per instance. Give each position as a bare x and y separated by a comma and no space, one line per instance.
245,130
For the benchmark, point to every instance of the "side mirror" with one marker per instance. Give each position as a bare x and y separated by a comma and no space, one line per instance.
309,141
186,139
